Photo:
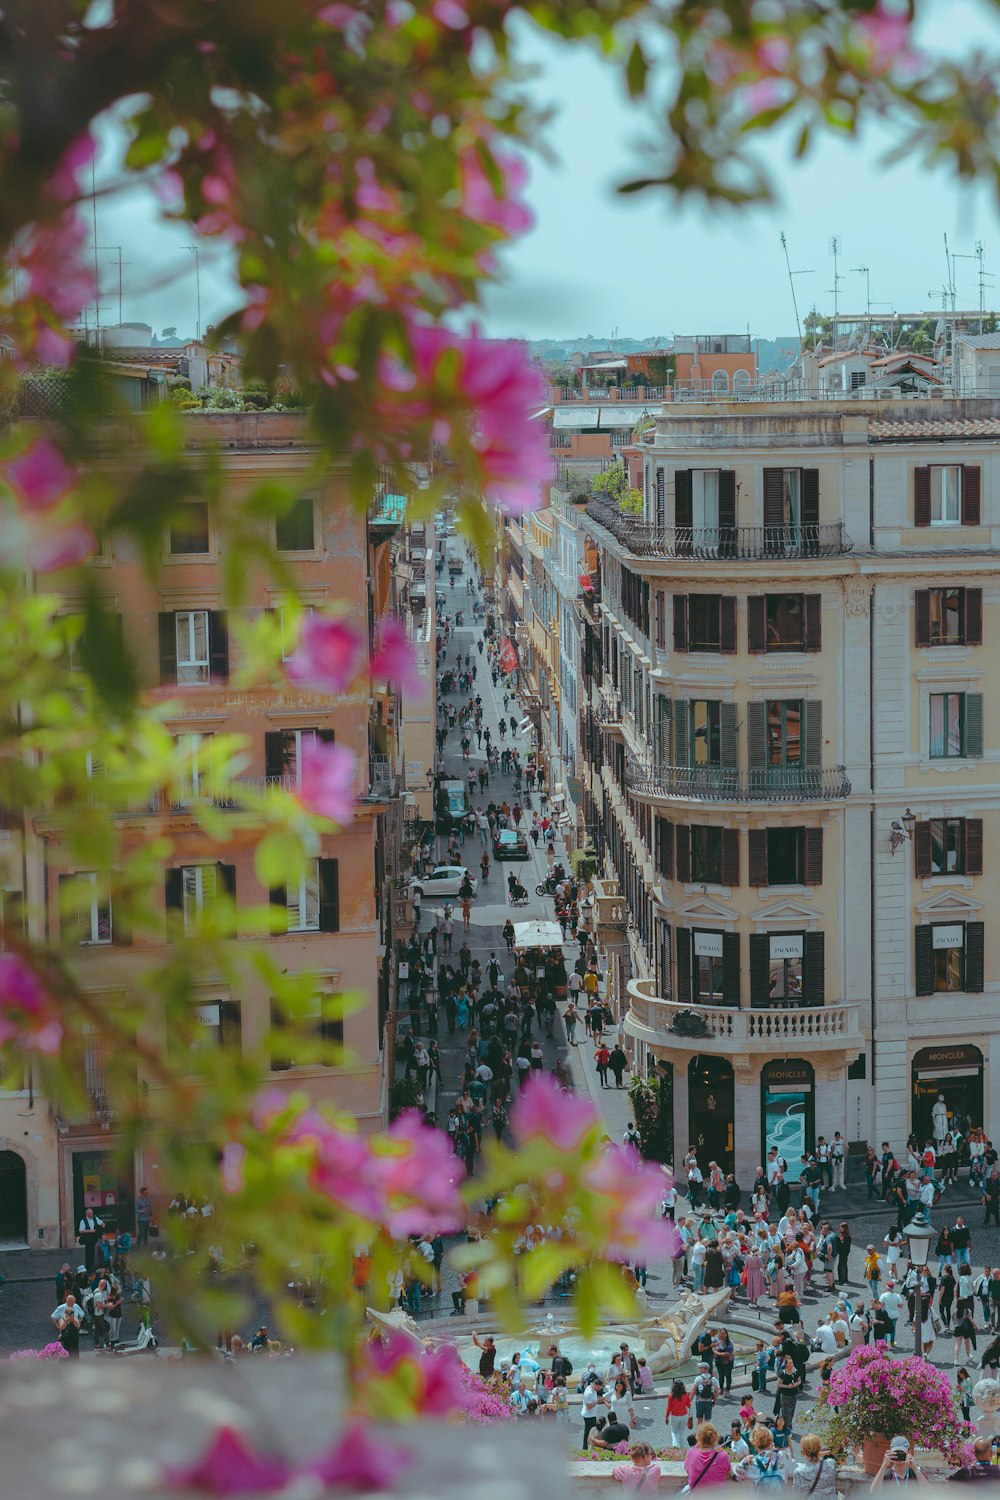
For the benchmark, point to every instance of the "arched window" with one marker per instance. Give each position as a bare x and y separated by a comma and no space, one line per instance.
741,382
720,381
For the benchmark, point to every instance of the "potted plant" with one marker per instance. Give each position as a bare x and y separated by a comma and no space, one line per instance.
874,1397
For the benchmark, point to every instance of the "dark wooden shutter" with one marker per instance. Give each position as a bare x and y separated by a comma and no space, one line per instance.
274,760
924,956
665,848
230,1024
218,646
760,968
731,968
922,499
757,623
727,497
922,850
329,895
278,897
973,617
727,623
814,968
774,503
727,736
974,724
661,620
227,881
121,928
972,505
812,856
757,736
730,856
682,845
168,649
813,622
810,504
812,734
973,861
758,857
683,498
975,957
682,942
682,755
279,1062
680,622
326,736
174,881
70,925
922,611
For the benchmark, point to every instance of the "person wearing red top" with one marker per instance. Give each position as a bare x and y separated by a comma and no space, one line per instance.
602,1057
678,1414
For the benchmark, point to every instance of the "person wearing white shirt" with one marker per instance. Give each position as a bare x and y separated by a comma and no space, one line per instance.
825,1339
67,1318
841,1330
838,1155
593,1399
893,1304
696,1260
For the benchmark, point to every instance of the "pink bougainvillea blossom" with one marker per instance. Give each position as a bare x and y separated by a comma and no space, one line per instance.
632,1190
230,1465
39,475
63,547
231,1166
64,184
885,34
503,210
329,655
433,1381
56,268
544,1112
358,1462
395,659
417,1176
327,780
27,1015
340,1166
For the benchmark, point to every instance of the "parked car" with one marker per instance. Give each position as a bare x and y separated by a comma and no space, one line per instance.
443,880
509,844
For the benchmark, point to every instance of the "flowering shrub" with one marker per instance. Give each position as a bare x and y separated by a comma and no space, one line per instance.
49,1351
878,1396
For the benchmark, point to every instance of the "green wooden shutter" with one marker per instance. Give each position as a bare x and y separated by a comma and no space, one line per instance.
974,725
731,968
757,736
682,754
728,755
760,967
924,960
812,734
682,942
975,954
922,850
814,968
973,851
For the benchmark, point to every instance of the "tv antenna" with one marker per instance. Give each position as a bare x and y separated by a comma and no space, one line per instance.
866,273
835,251
791,282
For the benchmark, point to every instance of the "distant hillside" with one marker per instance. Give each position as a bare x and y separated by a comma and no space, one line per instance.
772,354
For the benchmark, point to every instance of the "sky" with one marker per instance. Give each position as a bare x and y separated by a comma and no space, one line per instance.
597,263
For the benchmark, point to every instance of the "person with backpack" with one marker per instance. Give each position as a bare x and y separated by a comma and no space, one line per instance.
631,1136
602,1059
705,1392
764,1465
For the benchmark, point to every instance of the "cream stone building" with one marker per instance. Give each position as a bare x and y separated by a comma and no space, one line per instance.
789,726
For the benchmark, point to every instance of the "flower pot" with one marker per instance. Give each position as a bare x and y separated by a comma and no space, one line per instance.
873,1450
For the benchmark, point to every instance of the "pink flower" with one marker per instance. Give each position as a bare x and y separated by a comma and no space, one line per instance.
64,184
52,347
449,13
230,1466
632,1190
57,272
26,1013
544,1112
395,659
765,94
326,784
40,476
436,1377
443,1390
886,36
358,1462
329,654
231,1167
341,1163
484,206
64,547
417,1177
774,53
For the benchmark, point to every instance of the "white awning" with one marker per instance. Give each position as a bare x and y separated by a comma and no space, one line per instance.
537,935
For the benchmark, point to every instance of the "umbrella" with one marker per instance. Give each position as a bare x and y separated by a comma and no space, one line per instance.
537,935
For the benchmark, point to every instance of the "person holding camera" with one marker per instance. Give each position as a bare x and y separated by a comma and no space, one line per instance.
898,1466
67,1318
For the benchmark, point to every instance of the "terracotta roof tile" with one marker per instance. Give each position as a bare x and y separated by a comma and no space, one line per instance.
952,427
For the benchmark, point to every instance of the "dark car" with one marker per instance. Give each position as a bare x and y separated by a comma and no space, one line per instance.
509,844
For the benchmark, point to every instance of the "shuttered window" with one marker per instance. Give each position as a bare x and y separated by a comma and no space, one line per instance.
707,855
704,622
947,495
194,647
956,726
786,856
949,958
948,846
948,617
192,892
784,622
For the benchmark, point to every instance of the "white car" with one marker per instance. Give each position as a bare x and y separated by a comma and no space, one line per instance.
444,880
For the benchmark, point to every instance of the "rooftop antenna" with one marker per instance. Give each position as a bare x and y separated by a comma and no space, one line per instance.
864,271
97,263
196,252
117,248
949,261
835,251
984,277
791,282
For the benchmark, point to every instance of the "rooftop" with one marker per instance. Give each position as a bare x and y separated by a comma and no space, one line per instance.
949,427
979,340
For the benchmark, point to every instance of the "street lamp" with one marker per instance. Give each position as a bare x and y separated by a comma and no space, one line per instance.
919,1233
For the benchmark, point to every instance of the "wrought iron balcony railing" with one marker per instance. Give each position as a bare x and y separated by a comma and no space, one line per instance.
720,543
717,784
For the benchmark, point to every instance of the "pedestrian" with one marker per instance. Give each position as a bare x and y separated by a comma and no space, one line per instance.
842,1249
508,935
143,1215
602,1057
705,1392
618,1062
678,1415
789,1386
570,1018
89,1232
706,1463
68,1318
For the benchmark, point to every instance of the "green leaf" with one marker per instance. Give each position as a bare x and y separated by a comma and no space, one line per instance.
279,859
635,71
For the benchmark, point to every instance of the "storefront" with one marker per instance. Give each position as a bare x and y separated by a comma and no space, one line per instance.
711,1103
957,1073
98,1184
788,1111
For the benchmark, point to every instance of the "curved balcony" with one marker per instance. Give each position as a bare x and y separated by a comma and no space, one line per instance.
725,1030
660,782
720,543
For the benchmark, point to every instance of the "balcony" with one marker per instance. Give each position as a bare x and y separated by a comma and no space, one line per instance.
716,784
728,1030
720,544
609,709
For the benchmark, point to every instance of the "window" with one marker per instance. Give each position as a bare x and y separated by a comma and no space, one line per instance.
784,733
85,910
193,664
707,975
706,744
313,904
192,891
785,629
309,1039
214,1025
194,758
12,922
706,855
295,530
704,622
949,617
283,753
947,725
720,381
705,500
791,509
786,856
946,495
950,957
189,531
948,846
785,966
